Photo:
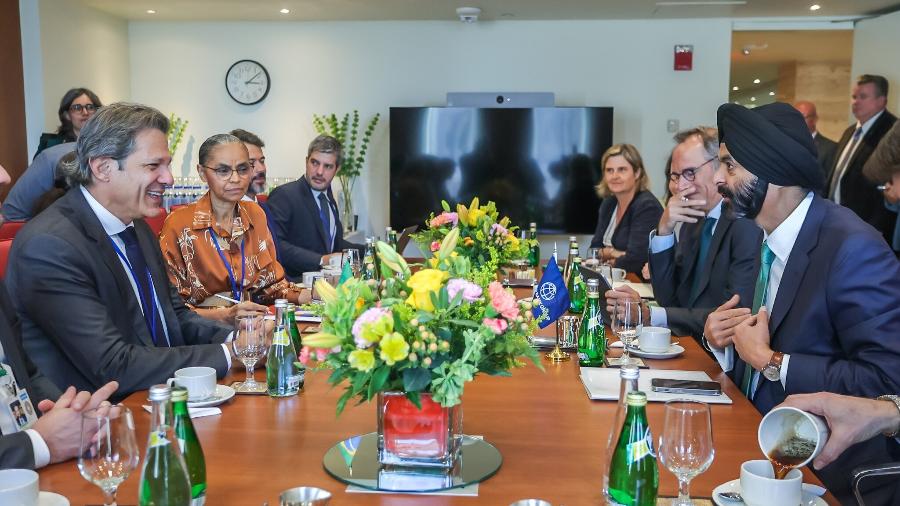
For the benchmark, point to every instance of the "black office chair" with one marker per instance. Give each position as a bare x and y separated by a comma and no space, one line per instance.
861,473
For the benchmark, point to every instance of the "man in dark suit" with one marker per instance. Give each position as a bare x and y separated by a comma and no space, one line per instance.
848,186
56,435
715,257
307,225
825,147
90,284
828,289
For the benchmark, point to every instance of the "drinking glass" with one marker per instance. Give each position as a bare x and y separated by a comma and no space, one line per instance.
593,259
109,450
627,324
250,344
352,256
686,445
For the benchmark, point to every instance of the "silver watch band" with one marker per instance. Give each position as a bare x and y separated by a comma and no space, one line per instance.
896,400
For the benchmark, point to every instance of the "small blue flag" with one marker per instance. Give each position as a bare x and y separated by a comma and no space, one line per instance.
552,294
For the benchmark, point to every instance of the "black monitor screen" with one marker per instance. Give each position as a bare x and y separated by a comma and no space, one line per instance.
538,164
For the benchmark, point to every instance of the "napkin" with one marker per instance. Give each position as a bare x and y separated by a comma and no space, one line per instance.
194,412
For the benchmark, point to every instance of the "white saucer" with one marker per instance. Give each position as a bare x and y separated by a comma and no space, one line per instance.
673,351
223,393
810,496
51,499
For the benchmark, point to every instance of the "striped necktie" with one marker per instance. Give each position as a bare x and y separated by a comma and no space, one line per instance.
841,167
759,298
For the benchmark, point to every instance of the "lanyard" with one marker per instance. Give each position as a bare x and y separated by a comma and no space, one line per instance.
151,322
235,289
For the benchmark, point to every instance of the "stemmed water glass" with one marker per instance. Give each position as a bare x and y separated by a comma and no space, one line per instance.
109,450
627,324
352,256
250,343
686,445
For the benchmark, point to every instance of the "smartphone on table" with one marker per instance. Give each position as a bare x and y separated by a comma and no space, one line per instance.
681,386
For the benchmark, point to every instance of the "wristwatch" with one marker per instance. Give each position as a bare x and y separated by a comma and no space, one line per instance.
772,370
896,400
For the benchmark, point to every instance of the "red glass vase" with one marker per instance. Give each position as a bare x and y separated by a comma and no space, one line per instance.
410,436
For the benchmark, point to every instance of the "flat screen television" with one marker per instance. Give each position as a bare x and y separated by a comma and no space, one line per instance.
538,164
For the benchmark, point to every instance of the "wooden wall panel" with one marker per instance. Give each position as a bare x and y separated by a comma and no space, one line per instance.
13,140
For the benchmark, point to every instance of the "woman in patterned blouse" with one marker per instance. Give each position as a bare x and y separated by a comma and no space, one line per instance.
221,244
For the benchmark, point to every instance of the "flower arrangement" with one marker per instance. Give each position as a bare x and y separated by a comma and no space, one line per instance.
430,331
486,241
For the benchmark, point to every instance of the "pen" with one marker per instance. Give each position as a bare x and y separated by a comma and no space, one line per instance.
229,299
881,187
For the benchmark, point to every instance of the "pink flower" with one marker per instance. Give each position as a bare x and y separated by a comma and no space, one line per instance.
497,325
366,336
498,229
443,219
435,245
471,292
503,301
322,354
304,355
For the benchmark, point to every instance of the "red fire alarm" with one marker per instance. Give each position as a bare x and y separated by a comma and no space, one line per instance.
684,57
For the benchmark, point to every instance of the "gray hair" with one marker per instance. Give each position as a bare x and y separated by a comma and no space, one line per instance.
708,135
214,141
326,144
111,132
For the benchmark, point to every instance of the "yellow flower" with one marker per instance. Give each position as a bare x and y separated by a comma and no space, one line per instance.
467,241
474,214
362,360
512,240
422,284
393,348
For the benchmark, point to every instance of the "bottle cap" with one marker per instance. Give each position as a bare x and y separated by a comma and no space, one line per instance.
281,303
572,238
577,260
593,283
629,371
532,225
179,394
636,398
160,393
291,307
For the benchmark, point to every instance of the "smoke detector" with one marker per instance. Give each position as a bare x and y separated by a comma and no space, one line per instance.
468,14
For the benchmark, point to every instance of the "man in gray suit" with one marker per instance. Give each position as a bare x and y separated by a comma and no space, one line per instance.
56,435
90,284
37,179
715,257
824,146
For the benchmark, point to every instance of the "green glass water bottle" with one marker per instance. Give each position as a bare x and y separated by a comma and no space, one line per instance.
628,374
282,376
576,287
369,267
534,252
591,332
164,477
189,445
634,473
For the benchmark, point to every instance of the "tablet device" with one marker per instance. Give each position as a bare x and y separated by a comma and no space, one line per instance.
588,273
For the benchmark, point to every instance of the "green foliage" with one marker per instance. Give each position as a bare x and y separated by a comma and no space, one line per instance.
177,126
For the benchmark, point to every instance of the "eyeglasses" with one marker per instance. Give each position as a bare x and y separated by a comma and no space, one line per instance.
689,173
85,107
224,172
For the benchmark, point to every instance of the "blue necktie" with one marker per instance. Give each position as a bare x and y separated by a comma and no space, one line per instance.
759,299
325,215
705,241
144,282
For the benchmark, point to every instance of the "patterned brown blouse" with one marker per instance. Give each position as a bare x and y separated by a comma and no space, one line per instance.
195,266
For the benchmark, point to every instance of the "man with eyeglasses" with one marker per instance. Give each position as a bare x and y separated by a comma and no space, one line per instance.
91,288
715,257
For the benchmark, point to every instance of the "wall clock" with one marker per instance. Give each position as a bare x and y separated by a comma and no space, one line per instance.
247,82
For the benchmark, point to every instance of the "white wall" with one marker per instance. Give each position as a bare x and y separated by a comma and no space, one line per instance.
371,66
875,43
33,72
80,47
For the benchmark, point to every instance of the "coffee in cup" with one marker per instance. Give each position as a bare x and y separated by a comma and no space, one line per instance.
200,382
759,487
791,438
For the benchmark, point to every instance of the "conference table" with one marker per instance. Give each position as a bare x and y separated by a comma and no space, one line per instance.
551,436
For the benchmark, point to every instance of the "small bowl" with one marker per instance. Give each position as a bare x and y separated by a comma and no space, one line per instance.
304,496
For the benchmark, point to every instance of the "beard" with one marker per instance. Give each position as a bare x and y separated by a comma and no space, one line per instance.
747,199
257,186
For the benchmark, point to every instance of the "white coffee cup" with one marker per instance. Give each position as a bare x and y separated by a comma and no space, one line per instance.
618,274
199,381
335,261
19,487
760,488
784,422
655,339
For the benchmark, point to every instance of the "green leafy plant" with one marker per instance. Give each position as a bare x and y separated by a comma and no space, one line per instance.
430,331
355,146
177,126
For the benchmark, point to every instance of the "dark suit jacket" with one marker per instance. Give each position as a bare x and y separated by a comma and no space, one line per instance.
837,313
16,450
300,236
731,267
632,234
857,192
826,149
81,321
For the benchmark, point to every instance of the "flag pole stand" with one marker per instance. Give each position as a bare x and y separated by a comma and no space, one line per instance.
557,355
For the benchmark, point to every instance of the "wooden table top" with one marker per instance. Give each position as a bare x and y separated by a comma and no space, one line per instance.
551,436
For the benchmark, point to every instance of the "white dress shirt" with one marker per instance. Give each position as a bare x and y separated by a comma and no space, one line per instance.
660,243
39,446
849,150
781,241
331,220
114,226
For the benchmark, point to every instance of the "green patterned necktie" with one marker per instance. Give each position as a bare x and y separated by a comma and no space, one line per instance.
759,298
